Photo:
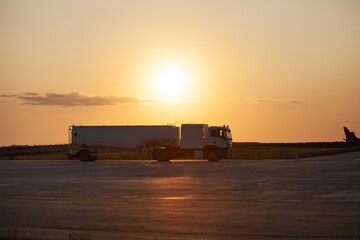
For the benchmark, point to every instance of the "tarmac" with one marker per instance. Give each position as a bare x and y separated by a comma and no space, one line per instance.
312,198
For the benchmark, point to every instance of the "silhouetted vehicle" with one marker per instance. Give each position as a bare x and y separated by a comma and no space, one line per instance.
350,136
197,141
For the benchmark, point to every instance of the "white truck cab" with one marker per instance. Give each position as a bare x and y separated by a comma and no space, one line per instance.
219,143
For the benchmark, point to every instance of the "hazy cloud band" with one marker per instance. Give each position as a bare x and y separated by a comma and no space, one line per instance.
271,101
74,99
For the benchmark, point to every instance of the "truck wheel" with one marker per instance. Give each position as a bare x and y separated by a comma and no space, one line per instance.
212,156
162,155
84,156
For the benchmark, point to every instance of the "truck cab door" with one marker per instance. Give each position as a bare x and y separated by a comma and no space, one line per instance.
217,138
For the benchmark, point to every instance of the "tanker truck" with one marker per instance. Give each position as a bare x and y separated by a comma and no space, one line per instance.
164,142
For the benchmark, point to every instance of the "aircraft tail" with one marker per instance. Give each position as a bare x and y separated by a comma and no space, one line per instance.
350,136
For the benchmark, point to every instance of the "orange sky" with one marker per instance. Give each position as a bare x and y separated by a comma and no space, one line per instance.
274,70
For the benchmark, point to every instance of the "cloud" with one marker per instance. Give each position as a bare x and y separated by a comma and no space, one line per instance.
266,101
75,99
7,95
259,100
31,94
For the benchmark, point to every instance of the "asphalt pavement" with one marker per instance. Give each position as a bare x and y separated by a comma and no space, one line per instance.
313,198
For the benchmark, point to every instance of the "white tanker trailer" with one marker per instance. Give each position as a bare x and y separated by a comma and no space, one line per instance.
197,141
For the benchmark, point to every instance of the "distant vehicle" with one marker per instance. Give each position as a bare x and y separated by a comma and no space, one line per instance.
197,141
350,136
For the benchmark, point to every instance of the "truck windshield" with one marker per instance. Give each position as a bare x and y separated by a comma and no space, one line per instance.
225,134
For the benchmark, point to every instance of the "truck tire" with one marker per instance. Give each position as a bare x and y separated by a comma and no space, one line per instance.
212,156
84,156
161,155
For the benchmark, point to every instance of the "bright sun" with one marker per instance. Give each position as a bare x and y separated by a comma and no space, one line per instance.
171,81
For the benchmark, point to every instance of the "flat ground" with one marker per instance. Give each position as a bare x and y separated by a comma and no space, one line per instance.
312,198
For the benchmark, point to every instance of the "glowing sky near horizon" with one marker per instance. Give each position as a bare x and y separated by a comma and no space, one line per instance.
274,71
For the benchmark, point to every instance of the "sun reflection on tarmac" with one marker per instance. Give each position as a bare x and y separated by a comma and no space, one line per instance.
175,198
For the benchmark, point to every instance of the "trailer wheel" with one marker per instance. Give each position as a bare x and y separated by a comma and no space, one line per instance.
84,156
212,156
161,155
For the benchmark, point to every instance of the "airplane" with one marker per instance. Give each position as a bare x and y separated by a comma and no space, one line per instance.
350,136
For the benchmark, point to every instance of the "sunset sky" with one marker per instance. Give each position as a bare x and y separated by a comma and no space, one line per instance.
273,70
